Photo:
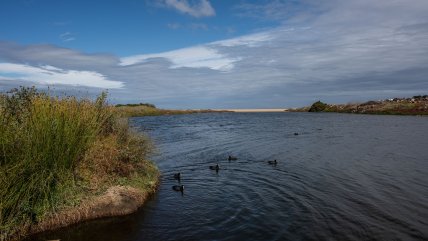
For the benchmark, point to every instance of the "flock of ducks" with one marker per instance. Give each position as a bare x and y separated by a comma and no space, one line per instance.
177,176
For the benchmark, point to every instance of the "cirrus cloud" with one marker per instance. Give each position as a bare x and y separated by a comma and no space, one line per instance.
67,37
202,8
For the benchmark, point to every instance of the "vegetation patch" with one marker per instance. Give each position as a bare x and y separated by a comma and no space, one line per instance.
318,107
58,155
416,105
135,110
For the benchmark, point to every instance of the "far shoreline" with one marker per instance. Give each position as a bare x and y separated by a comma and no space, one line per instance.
252,110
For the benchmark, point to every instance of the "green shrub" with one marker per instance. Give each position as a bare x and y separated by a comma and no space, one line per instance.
318,107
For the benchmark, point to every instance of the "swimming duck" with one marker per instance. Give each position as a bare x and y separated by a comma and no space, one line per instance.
216,167
232,158
274,162
177,176
178,188
296,134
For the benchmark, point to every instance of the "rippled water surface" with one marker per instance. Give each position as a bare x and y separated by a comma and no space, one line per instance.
344,177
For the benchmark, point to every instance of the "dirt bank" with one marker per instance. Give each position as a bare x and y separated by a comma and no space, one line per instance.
116,201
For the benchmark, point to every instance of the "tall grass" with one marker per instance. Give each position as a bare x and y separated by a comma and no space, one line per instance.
43,141
147,110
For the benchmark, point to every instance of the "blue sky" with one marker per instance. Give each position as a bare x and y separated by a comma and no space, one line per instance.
217,53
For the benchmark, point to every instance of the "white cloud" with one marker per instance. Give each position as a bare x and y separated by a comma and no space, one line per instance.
193,57
49,75
252,40
201,9
204,56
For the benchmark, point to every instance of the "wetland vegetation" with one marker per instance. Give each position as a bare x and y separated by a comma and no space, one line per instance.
58,154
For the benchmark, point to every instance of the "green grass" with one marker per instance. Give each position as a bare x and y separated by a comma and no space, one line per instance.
144,110
50,152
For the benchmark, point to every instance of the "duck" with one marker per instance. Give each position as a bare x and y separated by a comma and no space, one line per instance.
216,167
296,134
232,158
178,188
177,176
274,162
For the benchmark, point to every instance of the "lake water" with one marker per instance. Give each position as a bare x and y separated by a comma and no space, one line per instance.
344,177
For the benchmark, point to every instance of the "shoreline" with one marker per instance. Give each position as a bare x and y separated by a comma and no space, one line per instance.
116,201
252,110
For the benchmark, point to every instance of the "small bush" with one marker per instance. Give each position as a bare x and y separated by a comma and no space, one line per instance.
318,107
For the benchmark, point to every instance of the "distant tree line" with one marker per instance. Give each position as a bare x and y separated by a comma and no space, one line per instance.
420,97
139,104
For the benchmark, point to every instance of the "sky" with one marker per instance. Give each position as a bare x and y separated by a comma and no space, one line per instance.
217,53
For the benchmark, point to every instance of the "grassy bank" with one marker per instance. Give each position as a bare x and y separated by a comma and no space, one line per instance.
150,110
57,153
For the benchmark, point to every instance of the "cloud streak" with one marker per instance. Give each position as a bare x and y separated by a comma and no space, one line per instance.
202,8
67,37
252,40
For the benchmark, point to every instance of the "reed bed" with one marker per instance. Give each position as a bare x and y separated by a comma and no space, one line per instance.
51,151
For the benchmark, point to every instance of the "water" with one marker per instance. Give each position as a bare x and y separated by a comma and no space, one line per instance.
344,177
